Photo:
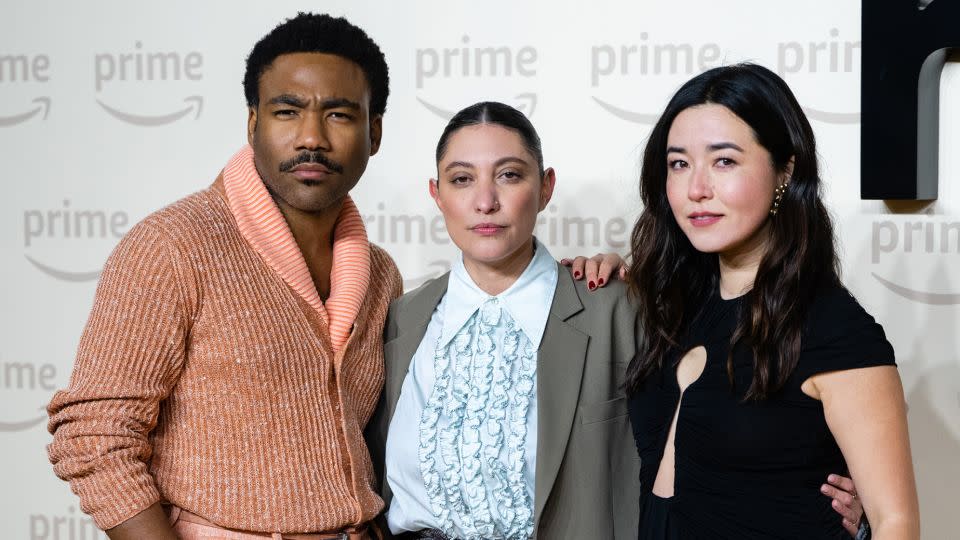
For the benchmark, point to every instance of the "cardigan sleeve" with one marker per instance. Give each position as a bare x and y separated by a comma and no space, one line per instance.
129,358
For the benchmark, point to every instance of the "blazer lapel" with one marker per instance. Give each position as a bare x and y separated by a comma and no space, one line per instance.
560,362
412,323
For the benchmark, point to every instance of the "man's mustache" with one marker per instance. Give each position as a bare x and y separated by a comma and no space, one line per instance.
316,157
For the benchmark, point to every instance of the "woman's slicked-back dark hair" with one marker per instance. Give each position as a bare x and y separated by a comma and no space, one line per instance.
496,113
321,33
670,278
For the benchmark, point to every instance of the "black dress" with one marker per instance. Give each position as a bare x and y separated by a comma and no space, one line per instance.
749,469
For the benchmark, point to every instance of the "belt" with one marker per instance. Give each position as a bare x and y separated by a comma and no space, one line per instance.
361,532
423,534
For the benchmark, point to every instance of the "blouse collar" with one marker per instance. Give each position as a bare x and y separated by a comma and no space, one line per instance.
527,300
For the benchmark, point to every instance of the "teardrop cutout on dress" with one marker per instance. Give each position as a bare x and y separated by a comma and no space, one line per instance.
688,372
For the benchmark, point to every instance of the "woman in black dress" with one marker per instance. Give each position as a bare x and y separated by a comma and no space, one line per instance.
759,373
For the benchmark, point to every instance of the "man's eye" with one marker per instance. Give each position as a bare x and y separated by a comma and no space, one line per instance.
340,115
284,112
459,179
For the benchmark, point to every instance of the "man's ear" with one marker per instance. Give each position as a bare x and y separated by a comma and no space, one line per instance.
251,123
547,184
376,132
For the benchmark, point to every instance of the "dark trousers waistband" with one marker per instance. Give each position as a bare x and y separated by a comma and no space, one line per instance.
423,534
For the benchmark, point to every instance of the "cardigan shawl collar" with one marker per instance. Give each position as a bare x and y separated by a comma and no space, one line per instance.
262,225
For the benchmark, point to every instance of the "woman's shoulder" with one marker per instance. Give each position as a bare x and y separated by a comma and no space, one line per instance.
429,291
835,310
610,295
607,308
841,334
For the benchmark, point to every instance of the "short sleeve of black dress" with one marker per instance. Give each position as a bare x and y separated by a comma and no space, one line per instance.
841,335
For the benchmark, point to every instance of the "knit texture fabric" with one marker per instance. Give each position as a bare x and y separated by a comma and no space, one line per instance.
203,379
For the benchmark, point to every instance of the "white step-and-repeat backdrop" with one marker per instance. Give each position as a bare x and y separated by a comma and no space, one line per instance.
110,110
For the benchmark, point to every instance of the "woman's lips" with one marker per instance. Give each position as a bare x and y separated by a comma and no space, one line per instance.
704,219
487,229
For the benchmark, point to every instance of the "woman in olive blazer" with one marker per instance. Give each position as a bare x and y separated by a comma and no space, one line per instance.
586,473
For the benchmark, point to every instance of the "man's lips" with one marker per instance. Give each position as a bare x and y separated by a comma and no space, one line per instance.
487,229
703,219
311,171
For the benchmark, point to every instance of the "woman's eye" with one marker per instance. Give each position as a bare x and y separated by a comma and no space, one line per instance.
676,164
510,175
726,162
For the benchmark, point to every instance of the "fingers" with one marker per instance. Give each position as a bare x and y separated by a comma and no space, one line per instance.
851,528
842,482
598,270
845,504
609,263
575,265
848,513
592,272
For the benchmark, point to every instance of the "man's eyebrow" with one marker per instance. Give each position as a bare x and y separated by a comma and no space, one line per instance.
455,164
336,103
288,99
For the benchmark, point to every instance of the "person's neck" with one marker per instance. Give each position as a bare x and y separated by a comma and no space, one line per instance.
493,279
738,272
313,231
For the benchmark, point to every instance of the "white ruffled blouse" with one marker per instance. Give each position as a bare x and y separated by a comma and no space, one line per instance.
461,449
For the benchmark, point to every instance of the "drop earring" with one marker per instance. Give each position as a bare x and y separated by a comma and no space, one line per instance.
777,196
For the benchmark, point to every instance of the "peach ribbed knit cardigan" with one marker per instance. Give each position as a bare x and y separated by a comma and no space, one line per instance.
204,380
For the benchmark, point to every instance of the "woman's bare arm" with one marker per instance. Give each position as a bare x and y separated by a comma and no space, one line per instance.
866,412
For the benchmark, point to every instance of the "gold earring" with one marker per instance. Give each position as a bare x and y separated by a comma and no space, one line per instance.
777,196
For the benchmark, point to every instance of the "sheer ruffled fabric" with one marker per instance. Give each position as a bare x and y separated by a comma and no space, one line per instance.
474,465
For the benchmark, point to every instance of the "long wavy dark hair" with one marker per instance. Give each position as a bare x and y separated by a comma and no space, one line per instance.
671,279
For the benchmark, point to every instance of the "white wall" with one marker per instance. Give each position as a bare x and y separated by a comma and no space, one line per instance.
565,61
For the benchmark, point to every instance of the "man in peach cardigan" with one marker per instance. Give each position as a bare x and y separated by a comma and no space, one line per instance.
233,354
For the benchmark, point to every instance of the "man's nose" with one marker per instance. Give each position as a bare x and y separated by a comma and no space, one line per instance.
312,133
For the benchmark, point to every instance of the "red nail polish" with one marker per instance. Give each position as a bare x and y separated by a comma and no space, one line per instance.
600,281
591,286
576,275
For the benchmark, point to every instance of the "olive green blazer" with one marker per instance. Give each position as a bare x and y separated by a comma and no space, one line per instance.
587,472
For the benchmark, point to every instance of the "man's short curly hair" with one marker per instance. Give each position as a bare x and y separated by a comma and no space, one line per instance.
311,32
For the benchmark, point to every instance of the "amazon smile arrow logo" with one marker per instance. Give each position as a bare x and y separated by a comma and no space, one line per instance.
195,104
650,119
23,425
934,299
43,104
624,114
63,275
